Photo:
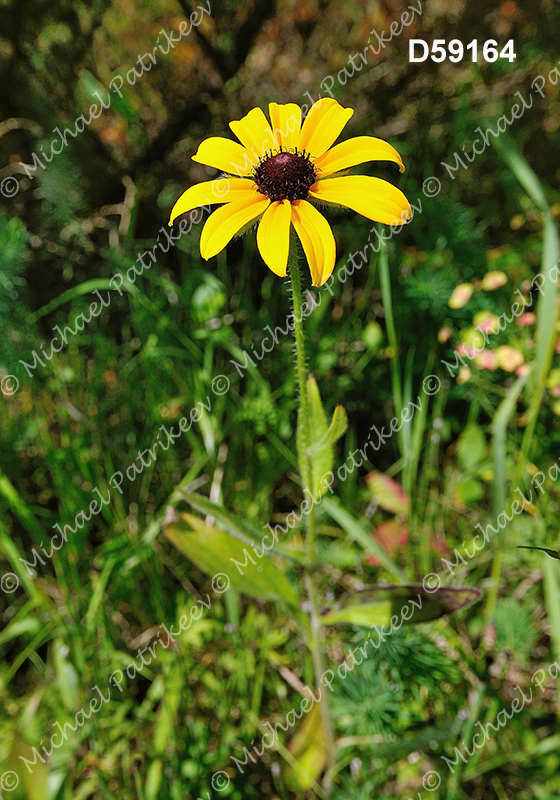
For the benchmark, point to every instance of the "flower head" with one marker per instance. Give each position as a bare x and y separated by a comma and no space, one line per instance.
282,170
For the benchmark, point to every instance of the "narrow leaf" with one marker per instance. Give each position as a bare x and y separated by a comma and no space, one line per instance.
214,552
398,605
35,785
309,749
322,458
358,532
552,595
240,529
551,553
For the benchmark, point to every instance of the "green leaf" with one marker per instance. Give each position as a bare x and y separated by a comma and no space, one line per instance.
357,531
240,529
34,785
547,310
215,553
552,595
309,751
499,450
407,604
320,455
471,447
551,553
337,428
468,492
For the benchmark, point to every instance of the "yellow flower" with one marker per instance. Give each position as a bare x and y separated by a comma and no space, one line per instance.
281,168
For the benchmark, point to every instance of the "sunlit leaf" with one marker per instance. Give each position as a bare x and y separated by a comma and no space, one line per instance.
319,450
337,428
216,553
241,529
34,785
309,749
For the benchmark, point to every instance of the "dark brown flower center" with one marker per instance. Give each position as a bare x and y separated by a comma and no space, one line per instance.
285,176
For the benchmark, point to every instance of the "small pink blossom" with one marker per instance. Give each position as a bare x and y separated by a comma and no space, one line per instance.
509,359
486,360
461,295
493,280
526,319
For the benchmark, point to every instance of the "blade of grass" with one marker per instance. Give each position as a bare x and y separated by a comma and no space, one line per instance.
358,533
552,595
499,485
547,314
386,297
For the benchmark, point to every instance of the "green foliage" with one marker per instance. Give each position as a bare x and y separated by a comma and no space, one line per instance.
515,630
385,694
16,255
153,355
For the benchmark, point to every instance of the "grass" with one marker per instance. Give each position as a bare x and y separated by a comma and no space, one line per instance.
84,417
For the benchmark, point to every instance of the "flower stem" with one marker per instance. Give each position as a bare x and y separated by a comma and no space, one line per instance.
304,434
304,441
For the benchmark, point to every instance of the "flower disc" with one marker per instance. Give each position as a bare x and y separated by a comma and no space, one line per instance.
285,176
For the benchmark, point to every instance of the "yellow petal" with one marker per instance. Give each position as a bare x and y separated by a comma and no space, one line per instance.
226,155
223,224
253,131
317,240
273,236
356,151
374,198
286,124
323,125
222,190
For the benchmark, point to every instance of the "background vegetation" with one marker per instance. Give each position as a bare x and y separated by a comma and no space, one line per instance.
149,358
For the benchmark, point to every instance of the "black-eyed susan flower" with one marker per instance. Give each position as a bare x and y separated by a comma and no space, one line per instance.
282,170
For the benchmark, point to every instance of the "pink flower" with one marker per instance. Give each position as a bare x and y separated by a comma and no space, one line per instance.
526,319
464,350
493,280
461,295
509,359
486,360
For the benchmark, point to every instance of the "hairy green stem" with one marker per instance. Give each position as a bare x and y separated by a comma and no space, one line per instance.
304,441
304,433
